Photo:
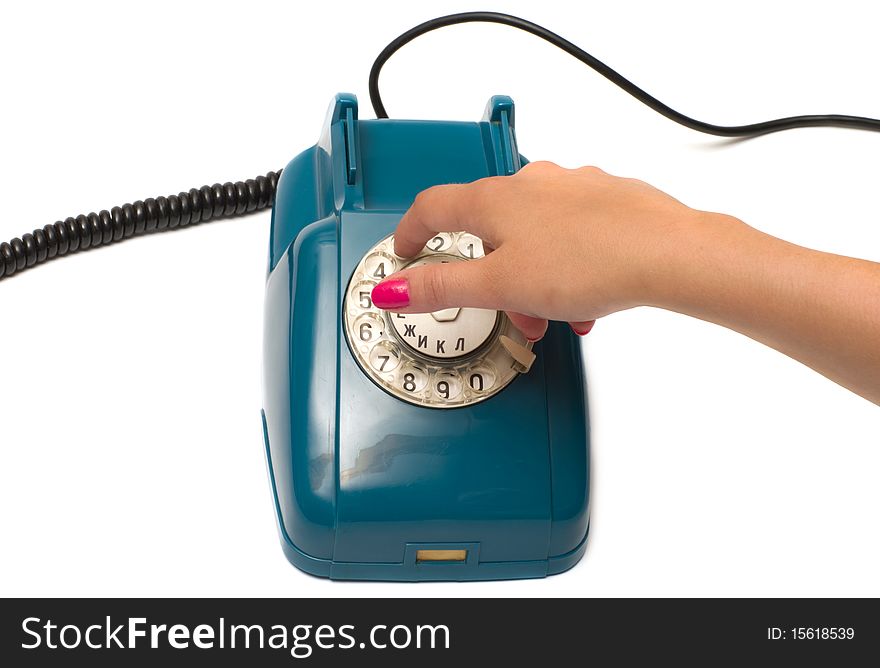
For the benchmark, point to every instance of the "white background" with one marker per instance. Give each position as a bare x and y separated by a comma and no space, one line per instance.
131,459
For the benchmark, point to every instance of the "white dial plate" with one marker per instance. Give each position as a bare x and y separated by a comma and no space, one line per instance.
445,359
452,332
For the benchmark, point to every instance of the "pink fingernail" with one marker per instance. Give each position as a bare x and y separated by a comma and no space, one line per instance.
391,293
535,340
586,330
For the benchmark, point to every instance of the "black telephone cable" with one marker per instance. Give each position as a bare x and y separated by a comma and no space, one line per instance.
201,205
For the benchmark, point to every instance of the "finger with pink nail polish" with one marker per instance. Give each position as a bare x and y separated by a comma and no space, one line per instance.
582,328
391,293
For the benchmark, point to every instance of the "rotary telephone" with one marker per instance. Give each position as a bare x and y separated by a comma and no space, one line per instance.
418,446
437,446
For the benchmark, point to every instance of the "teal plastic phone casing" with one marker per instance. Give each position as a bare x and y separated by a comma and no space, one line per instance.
361,479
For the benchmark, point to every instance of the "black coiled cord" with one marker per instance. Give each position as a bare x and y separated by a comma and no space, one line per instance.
199,205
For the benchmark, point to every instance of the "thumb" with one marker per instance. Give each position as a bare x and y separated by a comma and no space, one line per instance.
438,286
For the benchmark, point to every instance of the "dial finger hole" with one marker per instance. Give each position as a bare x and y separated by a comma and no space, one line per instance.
412,378
379,265
359,296
470,246
385,357
368,328
481,378
440,243
446,385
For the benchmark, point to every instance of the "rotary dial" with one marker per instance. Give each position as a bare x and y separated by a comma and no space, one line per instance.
446,359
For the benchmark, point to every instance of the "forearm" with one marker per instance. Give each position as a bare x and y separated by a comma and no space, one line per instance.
818,308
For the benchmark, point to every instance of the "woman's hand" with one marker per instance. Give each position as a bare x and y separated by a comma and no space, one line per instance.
562,244
576,245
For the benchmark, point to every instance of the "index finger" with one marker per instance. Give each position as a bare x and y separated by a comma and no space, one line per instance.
446,208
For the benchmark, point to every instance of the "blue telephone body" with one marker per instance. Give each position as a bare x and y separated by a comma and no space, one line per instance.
368,486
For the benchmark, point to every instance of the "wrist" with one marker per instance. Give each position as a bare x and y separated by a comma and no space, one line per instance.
689,262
